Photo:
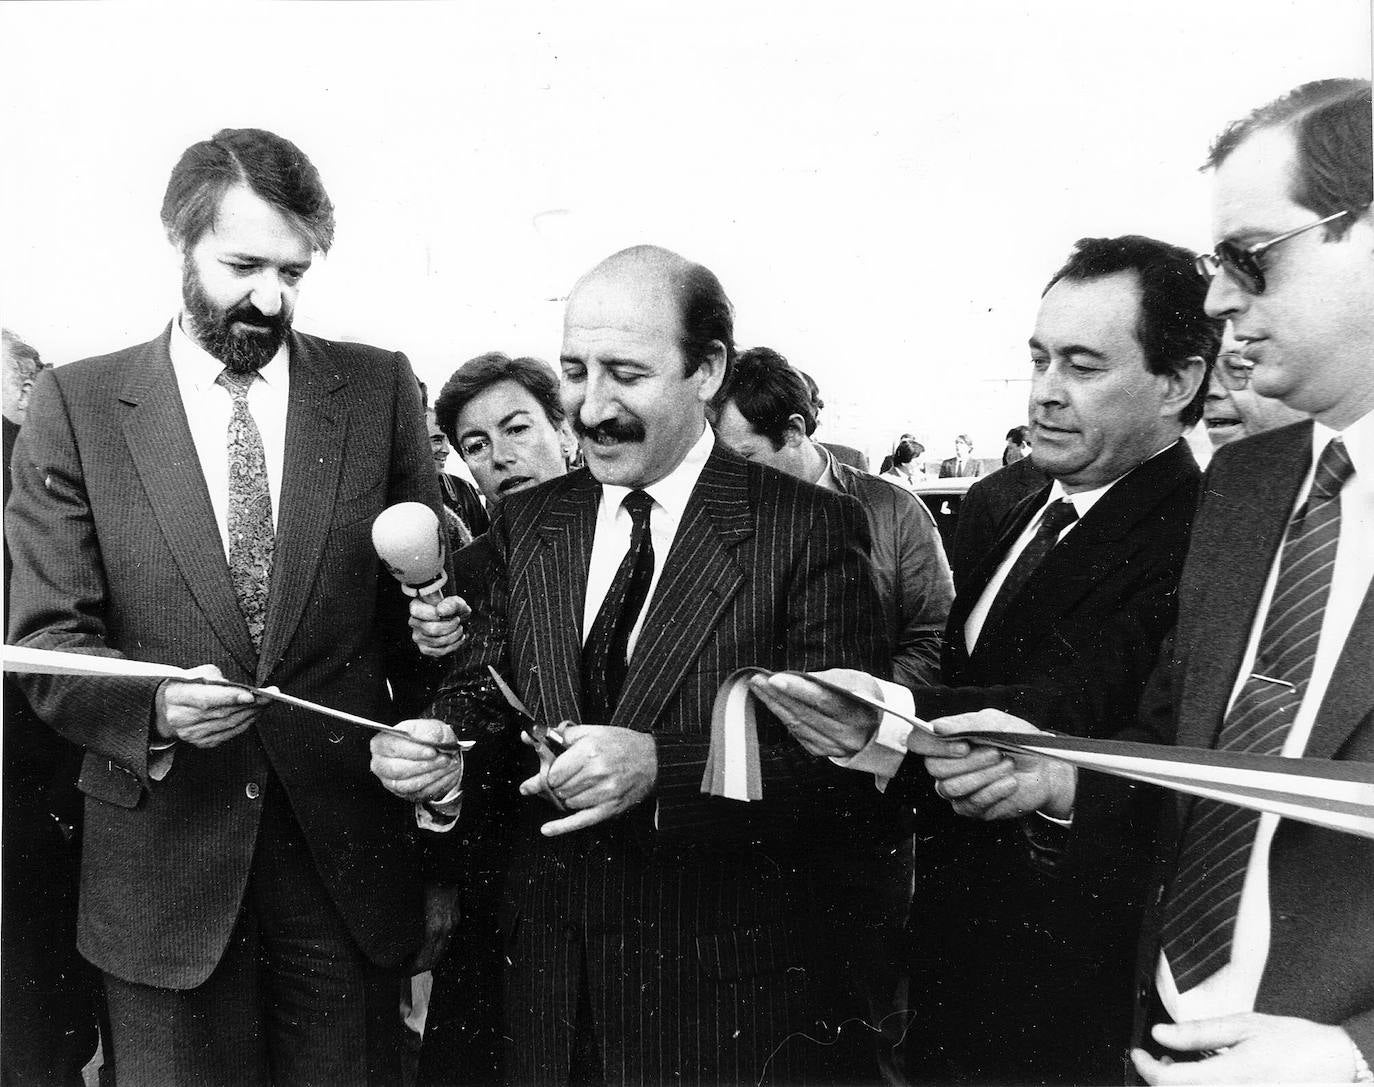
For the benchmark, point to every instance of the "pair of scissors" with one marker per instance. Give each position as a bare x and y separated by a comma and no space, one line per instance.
548,740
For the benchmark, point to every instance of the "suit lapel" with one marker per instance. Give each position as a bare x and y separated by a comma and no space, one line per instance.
701,576
1015,524
556,578
164,455
1349,697
316,433
1252,508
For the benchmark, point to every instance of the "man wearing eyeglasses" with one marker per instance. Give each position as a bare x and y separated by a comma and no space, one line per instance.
1257,961
1233,410
1265,960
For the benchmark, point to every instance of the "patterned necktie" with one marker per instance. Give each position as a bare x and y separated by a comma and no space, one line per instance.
1200,918
1058,515
604,655
250,508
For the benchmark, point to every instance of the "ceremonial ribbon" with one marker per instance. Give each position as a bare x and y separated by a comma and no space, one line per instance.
1332,794
52,662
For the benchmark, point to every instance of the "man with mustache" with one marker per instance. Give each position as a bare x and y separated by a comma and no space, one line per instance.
1059,621
653,932
204,500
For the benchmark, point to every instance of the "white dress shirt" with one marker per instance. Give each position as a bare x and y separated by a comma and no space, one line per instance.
1234,987
208,407
613,525
609,545
887,747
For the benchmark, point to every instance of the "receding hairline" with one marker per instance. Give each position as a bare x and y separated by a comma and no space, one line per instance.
642,267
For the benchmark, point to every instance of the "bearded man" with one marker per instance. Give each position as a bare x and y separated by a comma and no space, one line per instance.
204,500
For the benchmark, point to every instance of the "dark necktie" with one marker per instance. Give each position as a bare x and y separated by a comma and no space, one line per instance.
250,508
1200,918
604,654
1058,515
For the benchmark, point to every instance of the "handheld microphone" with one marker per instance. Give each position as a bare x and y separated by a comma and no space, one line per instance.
410,542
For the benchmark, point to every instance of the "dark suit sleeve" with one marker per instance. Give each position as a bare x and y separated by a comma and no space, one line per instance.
832,620
412,478
59,590
924,593
974,532
1093,671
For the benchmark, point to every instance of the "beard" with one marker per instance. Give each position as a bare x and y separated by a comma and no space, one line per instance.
243,351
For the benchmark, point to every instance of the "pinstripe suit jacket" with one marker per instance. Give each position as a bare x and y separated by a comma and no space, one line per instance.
116,551
1321,882
694,920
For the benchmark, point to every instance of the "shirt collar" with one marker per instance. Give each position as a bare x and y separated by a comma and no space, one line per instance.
829,479
1083,501
672,491
197,369
1359,442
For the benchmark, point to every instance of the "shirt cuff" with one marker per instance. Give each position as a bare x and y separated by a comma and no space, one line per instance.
883,754
440,815
160,756
1065,823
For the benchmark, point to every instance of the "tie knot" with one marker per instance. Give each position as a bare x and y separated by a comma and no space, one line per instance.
237,384
1334,467
1059,514
639,504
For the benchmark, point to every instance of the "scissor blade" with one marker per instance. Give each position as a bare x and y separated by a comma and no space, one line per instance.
512,699
541,734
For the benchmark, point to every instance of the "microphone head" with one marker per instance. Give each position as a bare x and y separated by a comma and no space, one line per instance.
410,542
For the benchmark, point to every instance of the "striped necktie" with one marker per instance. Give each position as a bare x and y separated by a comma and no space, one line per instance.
251,538
604,657
1200,918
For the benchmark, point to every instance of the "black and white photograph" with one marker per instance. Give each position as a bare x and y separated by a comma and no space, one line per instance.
630,543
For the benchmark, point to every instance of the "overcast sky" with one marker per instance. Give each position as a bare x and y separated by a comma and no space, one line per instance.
883,188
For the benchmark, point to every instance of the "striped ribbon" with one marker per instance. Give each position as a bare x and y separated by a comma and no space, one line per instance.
53,662
1335,795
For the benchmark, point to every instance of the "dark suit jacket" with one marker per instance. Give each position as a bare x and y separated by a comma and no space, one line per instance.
909,570
949,468
847,454
116,552
985,509
1321,883
693,921
1010,944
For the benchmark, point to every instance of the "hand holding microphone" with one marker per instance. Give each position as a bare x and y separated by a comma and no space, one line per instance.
411,544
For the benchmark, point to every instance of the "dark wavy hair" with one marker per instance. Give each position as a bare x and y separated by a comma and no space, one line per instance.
1331,125
273,168
478,375
1173,326
767,391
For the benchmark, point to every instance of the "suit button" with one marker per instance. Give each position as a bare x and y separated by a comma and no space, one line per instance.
252,790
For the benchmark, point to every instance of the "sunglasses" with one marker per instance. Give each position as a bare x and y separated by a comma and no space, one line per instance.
1243,265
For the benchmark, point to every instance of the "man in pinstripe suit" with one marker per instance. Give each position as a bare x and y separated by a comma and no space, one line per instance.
654,932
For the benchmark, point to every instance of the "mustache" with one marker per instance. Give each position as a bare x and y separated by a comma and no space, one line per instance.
616,430
250,314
